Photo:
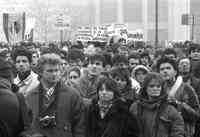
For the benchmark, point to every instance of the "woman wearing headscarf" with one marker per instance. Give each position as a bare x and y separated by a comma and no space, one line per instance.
108,115
156,116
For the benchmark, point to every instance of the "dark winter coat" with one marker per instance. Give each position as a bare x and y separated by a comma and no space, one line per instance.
117,123
195,83
158,119
69,113
9,109
189,107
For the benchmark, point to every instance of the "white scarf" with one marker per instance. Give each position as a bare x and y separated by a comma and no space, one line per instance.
175,87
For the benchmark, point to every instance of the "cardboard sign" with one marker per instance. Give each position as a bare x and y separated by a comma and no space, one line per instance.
84,34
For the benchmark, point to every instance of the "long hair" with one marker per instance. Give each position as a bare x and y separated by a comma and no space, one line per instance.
152,76
109,84
124,74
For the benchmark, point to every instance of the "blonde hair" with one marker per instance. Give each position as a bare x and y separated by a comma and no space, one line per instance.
49,58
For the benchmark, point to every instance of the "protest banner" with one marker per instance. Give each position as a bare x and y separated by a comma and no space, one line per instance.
29,29
14,26
84,34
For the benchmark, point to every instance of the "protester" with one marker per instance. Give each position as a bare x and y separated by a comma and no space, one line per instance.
125,61
145,59
180,94
88,82
133,60
57,109
139,73
156,116
120,61
122,77
184,69
11,117
74,76
26,79
108,115
35,57
194,54
170,53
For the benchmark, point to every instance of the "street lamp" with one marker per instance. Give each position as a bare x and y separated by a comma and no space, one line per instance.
156,23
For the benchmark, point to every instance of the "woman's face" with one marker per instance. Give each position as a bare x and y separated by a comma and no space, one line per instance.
154,88
121,83
140,75
105,94
74,77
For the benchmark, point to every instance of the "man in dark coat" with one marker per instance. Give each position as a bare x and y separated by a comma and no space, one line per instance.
9,104
57,109
180,94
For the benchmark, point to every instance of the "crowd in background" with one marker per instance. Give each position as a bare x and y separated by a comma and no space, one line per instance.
99,89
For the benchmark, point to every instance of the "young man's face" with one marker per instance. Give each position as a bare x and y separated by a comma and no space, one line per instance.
64,66
35,58
167,71
22,64
184,65
51,73
95,67
195,54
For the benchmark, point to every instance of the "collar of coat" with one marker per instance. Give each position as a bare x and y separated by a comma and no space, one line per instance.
118,107
27,81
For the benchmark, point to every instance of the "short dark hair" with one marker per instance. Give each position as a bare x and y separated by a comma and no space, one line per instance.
75,54
119,58
108,58
122,73
110,85
134,55
169,51
166,60
22,52
145,54
76,69
193,46
98,57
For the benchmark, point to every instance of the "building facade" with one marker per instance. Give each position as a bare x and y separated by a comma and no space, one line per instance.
140,14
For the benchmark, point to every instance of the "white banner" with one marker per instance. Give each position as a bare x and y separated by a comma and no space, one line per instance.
30,25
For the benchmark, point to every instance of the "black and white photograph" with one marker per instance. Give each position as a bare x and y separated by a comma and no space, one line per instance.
100,68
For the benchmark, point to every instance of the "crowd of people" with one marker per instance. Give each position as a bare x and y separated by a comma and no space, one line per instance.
98,89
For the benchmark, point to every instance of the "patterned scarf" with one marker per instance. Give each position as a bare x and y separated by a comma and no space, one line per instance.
104,107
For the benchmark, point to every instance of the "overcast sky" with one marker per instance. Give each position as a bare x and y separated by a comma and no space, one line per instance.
73,2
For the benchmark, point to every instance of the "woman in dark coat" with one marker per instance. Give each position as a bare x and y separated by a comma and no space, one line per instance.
157,117
108,115
122,77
